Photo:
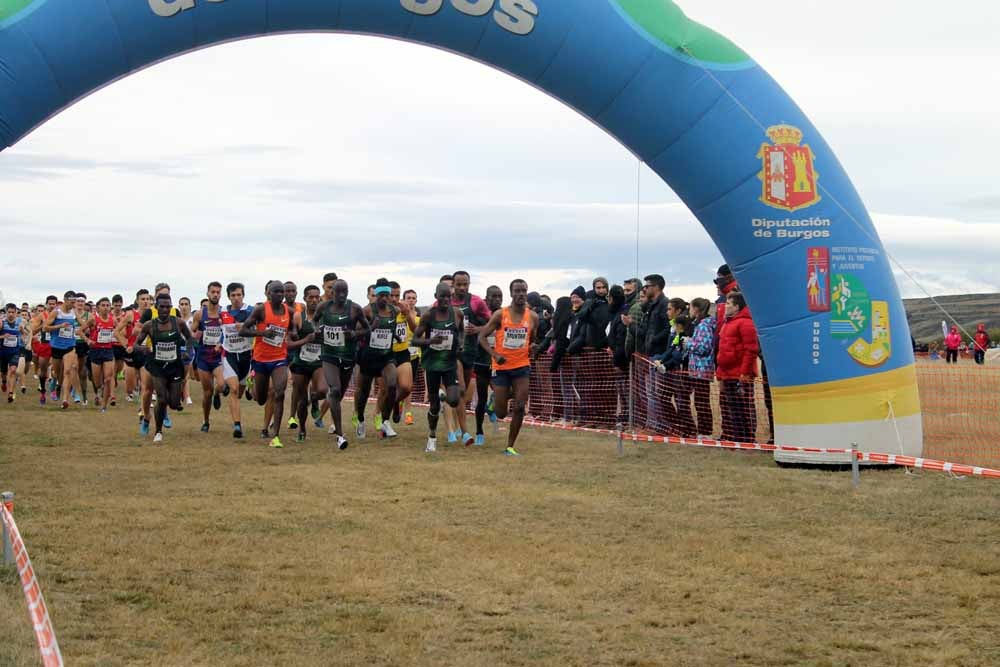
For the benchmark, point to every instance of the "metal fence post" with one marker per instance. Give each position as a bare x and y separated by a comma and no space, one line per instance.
7,498
855,466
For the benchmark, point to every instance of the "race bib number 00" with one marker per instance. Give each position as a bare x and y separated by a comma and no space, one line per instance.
401,331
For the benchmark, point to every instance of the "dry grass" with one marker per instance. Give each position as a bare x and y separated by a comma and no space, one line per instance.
206,552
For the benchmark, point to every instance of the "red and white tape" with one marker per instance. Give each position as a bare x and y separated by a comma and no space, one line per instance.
863,457
37,611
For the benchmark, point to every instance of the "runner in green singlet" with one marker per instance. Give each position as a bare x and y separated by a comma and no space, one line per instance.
376,360
440,334
339,323
307,365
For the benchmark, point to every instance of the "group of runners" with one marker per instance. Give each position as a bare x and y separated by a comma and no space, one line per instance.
465,345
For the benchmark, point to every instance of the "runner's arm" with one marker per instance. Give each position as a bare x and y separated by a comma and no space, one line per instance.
249,328
186,332
459,327
143,333
487,330
419,334
360,321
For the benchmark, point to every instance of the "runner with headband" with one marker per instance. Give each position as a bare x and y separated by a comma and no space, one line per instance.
167,334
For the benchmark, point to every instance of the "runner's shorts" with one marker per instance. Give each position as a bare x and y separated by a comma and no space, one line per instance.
236,366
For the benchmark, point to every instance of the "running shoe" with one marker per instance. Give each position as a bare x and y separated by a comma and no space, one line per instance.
225,390
10,397
360,430
432,445
41,398
275,443
333,429
143,427
510,451
128,398
104,410
301,437
24,390
293,423
237,431
166,422
319,424
188,401
452,436
378,421
409,419
204,427
216,400
341,443
387,430
264,434
65,405
354,420
158,439
480,440
114,401
54,396
314,411
467,439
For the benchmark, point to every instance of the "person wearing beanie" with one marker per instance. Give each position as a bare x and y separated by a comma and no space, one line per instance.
725,283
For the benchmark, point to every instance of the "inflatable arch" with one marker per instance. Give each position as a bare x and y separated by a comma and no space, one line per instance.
685,100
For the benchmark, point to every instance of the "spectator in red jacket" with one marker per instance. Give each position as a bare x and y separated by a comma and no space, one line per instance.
736,369
952,342
981,343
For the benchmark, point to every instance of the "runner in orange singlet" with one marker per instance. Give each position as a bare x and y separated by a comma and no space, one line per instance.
272,322
515,328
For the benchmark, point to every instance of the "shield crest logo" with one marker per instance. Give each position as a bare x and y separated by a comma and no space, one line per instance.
789,178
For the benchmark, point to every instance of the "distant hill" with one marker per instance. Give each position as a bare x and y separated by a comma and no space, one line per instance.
969,309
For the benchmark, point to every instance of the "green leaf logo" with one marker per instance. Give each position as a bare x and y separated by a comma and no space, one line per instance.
8,8
665,24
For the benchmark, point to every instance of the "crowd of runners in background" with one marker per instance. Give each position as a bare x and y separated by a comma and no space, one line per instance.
82,352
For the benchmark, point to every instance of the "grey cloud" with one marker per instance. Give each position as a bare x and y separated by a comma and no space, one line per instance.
336,190
33,166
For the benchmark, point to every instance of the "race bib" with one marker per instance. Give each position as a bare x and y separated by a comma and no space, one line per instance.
333,336
67,332
310,352
10,340
275,335
448,338
381,339
234,342
515,339
105,336
212,336
166,351
400,330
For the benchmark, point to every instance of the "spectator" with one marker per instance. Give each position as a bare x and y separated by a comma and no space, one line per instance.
952,342
577,333
725,283
633,319
736,369
701,364
982,343
544,313
617,333
676,403
594,316
654,331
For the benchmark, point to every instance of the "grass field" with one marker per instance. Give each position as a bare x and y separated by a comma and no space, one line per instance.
209,552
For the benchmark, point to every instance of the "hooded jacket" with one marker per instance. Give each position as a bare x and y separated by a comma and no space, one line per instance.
953,340
738,347
982,338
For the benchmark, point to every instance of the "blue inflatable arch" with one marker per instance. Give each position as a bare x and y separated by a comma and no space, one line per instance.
692,105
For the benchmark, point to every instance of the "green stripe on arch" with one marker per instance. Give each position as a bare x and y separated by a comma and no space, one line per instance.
667,24
10,7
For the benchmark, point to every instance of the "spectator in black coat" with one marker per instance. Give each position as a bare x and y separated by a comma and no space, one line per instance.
617,334
654,330
594,316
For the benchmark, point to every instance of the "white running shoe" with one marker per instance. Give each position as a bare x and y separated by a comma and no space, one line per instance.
341,443
432,445
332,430
188,401
387,430
158,439
361,431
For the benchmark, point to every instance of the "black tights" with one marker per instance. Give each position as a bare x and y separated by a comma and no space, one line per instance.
452,395
482,393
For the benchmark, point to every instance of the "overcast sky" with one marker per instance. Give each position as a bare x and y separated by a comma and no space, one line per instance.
289,156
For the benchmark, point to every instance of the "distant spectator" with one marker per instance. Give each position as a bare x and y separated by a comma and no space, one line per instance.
982,343
544,311
617,334
952,342
701,364
577,333
676,394
736,368
632,321
725,283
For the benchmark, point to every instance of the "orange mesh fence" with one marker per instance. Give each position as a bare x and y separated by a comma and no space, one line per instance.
681,404
961,408
583,390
